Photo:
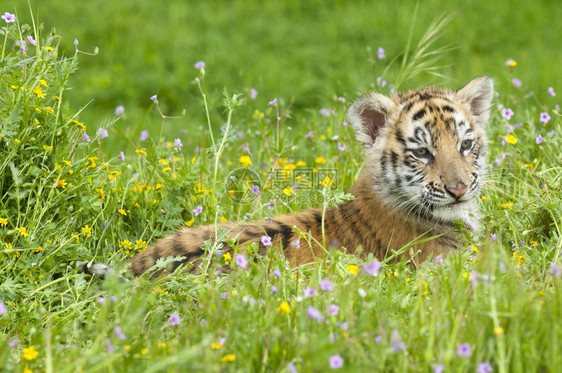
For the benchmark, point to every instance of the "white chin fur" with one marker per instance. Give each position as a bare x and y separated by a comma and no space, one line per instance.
466,212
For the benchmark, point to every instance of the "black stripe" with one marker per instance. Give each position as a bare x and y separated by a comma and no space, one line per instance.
419,115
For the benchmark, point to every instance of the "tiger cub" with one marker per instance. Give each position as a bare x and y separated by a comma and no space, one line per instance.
424,166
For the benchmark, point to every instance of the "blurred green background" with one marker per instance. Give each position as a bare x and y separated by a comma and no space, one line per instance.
307,51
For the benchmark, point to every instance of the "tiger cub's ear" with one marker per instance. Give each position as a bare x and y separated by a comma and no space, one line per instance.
368,114
478,94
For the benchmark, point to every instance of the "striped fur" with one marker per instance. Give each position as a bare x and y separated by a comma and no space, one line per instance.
424,165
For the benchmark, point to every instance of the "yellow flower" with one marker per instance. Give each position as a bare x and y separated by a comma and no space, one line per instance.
141,152
228,358
140,244
352,268
122,212
511,139
483,198
8,245
39,92
223,219
50,109
27,370
158,186
190,222
49,49
166,169
227,258
3,222
112,174
300,164
216,345
245,160
288,191
86,231
80,125
92,161
30,353
23,231
508,205
284,308
127,347
61,183
144,351
512,63
43,82
533,243
47,148
320,160
327,181
162,345
498,330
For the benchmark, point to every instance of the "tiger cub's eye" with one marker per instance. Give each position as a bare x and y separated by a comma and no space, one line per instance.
466,145
421,152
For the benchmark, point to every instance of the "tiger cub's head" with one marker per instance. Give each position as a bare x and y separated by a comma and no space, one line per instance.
425,149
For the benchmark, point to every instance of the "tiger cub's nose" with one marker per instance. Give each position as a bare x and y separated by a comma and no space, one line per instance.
457,190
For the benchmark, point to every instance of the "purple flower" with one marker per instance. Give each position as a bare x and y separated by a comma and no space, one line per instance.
314,314
341,147
270,205
507,113
510,61
144,135
135,176
241,261
204,322
119,110
276,273
119,333
85,137
551,133
372,268
381,82
109,346
439,260
551,91
292,368
380,53
113,299
256,190
272,102
31,40
344,123
493,236
336,361
224,295
544,117
309,135
555,270
102,133
439,368
274,289
266,240
378,339
199,65
516,82
341,99
325,112
510,128
326,285
9,17
178,144
464,350
397,343
175,319
505,155
198,210
484,367
154,98
539,139
333,310
253,93
13,343
75,42
122,156
101,300
3,308
297,243
309,292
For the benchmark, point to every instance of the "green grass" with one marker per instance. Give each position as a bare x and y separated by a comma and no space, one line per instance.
78,200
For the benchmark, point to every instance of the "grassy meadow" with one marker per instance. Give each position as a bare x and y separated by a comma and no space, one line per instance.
102,151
